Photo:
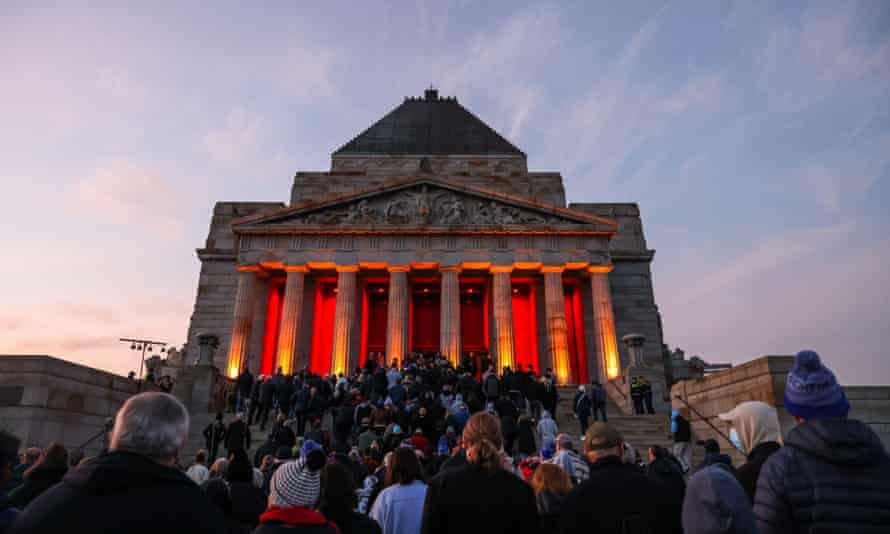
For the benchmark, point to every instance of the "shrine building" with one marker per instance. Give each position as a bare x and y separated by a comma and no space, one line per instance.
427,234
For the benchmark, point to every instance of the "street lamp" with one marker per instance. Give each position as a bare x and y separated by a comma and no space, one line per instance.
143,345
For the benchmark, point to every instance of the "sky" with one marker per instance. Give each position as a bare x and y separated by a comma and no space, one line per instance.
755,137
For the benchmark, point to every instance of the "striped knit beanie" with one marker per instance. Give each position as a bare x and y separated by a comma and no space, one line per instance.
297,483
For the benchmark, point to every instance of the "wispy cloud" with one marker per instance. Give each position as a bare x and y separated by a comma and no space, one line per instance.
236,138
121,192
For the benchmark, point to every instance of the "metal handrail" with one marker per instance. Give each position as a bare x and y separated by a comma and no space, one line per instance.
105,428
703,418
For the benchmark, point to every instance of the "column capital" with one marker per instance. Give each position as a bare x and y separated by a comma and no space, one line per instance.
399,268
553,268
347,268
501,269
296,268
600,269
252,268
449,268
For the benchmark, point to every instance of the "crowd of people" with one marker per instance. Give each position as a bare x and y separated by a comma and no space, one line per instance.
423,447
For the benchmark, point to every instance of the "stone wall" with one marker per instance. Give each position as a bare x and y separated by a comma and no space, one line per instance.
218,281
537,186
44,399
763,379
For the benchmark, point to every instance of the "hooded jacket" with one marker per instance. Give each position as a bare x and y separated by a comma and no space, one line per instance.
833,475
715,503
121,492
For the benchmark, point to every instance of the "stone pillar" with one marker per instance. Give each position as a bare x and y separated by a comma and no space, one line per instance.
397,315
604,323
503,318
449,333
242,322
207,344
557,330
344,336
291,317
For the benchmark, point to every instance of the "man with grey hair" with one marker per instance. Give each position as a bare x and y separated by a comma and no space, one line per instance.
135,487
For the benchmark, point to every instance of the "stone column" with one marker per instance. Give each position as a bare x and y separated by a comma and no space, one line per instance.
557,331
503,318
397,314
242,321
604,323
291,316
449,320
344,336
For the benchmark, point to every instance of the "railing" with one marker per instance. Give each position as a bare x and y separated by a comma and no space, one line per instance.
109,423
703,418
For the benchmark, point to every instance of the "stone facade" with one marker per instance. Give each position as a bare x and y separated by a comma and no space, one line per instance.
45,399
451,219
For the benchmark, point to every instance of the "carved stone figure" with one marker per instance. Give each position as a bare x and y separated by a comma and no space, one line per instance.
482,215
453,211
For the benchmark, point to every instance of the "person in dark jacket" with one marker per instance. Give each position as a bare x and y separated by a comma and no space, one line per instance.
682,433
526,436
609,501
284,392
713,455
666,475
29,458
833,474
715,503
214,435
45,473
293,495
237,435
339,500
239,499
255,400
482,496
243,387
9,447
755,433
267,398
599,398
636,395
509,414
582,407
115,492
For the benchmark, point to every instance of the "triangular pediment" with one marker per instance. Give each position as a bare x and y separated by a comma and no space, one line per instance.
425,203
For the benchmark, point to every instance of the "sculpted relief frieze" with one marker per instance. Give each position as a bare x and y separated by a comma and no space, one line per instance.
425,206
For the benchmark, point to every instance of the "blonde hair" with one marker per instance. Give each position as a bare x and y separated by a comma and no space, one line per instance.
552,478
483,441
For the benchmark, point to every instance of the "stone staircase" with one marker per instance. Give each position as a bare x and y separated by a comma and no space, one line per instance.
640,431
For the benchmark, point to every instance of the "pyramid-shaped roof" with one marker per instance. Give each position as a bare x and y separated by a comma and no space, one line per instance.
431,125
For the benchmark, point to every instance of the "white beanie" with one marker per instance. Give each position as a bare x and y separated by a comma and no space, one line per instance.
295,485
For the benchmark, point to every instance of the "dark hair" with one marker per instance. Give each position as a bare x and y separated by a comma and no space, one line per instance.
338,497
240,469
315,460
201,456
55,457
404,467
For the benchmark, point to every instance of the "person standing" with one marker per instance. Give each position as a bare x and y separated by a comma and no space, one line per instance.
198,471
255,399
112,492
598,399
582,408
755,434
551,485
833,474
46,472
472,498
715,503
569,460
339,501
399,507
267,398
682,434
237,435
636,395
243,387
214,434
609,501
646,392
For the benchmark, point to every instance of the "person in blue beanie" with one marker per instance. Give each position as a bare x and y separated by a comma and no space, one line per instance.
833,474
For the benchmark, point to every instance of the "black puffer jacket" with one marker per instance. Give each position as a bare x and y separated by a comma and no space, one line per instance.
121,492
833,475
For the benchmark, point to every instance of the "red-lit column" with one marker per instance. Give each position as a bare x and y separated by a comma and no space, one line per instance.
557,329
344,335
503,317
397,314
242,320
449,333
604,322
292,312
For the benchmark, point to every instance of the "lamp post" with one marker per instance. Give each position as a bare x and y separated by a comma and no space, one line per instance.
143,345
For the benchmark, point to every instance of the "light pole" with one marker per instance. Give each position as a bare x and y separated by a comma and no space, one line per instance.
143,345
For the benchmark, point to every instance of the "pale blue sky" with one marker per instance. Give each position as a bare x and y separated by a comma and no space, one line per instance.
755,136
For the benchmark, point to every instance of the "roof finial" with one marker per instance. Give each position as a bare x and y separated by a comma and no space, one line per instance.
431,93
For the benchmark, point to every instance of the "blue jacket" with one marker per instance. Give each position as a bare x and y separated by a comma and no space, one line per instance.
832,475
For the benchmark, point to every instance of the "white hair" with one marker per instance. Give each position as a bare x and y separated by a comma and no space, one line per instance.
152,424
